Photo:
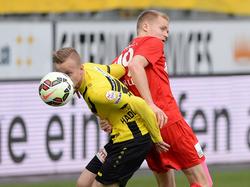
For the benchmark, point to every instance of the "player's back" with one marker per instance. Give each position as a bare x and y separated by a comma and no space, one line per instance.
107,97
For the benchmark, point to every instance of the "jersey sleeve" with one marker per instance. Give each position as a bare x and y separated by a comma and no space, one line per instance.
118,100
151,49
140,107
116,70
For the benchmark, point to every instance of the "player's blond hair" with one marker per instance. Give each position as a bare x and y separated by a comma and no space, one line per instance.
149,15
62,54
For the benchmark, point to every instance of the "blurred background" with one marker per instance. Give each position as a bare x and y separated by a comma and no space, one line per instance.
208,55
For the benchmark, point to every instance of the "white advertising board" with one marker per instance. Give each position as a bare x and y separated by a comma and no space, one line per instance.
193,47
39,139
218,110
97,42
209,47
25,50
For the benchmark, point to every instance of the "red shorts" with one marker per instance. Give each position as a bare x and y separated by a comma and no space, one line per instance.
185,151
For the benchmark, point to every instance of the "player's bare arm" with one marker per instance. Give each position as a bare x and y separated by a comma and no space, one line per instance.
105,125
137,71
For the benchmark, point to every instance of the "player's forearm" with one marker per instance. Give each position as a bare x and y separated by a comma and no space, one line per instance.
141,108
151,125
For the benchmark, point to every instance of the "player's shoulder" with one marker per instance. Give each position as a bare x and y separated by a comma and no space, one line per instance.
89,64
97,89
95,67
151,41
149,38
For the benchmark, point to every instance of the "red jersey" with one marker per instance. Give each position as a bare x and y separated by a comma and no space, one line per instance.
152,49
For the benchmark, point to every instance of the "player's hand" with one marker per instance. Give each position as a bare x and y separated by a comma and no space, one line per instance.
161,117
105,125
162,146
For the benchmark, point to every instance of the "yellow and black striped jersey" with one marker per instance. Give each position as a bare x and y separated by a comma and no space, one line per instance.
108,98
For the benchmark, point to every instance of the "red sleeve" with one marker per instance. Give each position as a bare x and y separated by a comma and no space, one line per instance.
151,49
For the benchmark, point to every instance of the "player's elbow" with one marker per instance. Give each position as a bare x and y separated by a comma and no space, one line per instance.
132,67
135,67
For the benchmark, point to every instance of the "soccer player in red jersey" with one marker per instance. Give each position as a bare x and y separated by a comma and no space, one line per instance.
146,77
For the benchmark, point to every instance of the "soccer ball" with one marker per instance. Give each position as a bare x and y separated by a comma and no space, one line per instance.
56,89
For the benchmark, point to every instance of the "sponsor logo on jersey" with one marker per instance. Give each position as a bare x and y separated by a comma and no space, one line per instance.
118,98
111,95
130,115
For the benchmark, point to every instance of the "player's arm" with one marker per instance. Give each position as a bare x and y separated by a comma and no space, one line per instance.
118,100
140,107
105,125
138,74
116,70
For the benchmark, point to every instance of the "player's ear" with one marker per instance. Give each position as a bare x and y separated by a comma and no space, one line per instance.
145,26
81,69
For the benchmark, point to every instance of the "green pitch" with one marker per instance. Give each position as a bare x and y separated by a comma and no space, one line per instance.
230,178
220,178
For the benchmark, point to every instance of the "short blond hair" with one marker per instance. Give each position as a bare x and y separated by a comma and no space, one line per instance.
62,54
149,15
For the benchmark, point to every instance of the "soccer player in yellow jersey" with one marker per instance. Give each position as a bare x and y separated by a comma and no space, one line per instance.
134,125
